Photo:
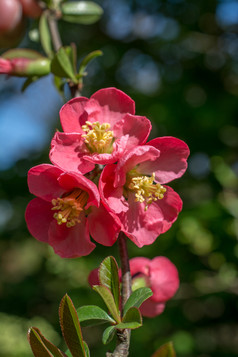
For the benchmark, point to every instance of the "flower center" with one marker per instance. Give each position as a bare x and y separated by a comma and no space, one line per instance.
69,207
145,189
98,137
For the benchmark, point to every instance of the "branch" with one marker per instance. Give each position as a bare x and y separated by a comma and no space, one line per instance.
123,336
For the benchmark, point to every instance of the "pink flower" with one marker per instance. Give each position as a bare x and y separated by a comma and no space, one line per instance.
134,189
67,209
161,276
97,130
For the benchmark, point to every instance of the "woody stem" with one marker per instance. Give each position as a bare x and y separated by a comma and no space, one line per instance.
123,336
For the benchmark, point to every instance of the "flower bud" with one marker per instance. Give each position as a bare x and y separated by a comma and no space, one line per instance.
25,67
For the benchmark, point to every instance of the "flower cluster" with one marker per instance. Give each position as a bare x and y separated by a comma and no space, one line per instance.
104,178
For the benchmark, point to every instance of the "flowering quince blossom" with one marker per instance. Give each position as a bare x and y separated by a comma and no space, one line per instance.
67,209
97,130
134,188
159,274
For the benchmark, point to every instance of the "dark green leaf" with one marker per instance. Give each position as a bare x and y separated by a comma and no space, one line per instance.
71,328
38,347
93,313
167,350
28,82
137,298
106,295
81,12
86,349
52,348
108,276
62,66
45,37
21,52
108,334
88,59
131,320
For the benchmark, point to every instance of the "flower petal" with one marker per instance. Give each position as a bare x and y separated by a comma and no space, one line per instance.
112,197
110,105
38,218
133,158
139,265
150,308
43,181
136,127
71,242
104,227
172,162
68,150
72,113
143,227
164,279
71,180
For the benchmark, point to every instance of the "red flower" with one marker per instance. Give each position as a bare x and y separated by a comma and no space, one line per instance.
161,276
97,130
67,209
132,189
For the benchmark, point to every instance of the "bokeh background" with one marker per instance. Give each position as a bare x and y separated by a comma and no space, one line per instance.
178,60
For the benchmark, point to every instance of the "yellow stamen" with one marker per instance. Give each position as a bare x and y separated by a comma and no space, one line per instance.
145,189
69,207
98,137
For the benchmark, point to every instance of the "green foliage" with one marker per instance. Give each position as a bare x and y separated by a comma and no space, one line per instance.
108,276
45,36
136,298
167,350
22,52
71,328
62,64
81,12
107,297
132,319
108,334
92,312
40,346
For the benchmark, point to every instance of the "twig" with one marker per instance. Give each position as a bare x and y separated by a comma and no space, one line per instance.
123,336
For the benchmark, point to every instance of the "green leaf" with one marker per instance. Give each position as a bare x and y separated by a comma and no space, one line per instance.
107,296
108,334
62,66
131,320
167,350
108,276
28,82
88,59
50,346
45,37
81,12
137,298
38,347
70,327
86,349
21,52
92,312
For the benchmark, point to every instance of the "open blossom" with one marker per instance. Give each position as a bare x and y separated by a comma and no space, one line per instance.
97,130
158,274
134,188
66,211
161,276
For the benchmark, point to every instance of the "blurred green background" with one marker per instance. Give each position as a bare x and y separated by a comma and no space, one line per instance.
178,60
